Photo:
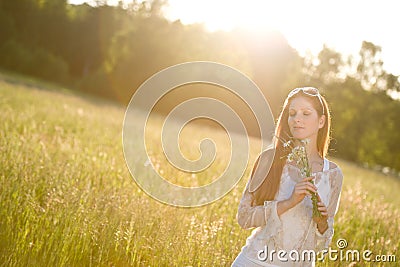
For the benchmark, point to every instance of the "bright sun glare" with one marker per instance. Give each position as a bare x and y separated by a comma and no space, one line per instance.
304,32
306,24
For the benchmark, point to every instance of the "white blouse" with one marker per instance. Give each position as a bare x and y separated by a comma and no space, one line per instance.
294,230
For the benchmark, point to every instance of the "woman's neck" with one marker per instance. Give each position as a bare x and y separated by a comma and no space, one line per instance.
312,151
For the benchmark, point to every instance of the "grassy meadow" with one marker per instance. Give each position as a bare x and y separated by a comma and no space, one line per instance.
67,198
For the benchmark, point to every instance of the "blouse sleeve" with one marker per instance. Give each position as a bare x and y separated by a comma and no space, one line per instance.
336,181
249,216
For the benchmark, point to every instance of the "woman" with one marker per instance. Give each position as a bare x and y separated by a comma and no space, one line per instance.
276,200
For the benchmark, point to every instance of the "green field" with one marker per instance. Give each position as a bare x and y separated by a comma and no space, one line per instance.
67,198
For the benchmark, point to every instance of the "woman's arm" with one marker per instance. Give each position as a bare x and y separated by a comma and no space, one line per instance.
249,216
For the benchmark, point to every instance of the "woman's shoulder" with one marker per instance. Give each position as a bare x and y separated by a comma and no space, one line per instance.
333,165
335,171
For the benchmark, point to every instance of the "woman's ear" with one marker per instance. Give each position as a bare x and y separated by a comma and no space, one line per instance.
321,122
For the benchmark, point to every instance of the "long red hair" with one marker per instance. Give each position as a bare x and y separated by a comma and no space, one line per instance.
270,186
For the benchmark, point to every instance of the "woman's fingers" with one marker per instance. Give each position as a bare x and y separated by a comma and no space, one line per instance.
308,186
303,192
322,208
307,183
302,189
308,179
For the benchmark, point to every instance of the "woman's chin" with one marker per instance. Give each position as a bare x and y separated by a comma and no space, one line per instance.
298,136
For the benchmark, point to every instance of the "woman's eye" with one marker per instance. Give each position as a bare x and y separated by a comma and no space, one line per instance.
306,113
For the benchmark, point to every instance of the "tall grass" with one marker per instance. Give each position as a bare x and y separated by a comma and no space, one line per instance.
67,198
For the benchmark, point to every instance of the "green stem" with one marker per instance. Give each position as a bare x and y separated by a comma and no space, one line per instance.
314,198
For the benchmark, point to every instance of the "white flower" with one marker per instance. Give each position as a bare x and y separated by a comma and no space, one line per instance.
287,144
305,141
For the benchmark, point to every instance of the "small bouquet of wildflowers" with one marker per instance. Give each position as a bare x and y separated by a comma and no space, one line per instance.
298,154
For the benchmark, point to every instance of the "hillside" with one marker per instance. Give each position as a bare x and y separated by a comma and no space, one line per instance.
67,198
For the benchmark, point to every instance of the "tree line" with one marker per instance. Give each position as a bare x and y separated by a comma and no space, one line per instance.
110,50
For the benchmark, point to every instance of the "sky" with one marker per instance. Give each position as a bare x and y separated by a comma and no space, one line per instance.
307,24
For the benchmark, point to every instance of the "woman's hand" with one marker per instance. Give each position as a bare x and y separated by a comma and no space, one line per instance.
322,222
302,189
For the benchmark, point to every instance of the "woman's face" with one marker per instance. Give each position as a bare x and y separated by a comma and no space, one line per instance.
304,121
